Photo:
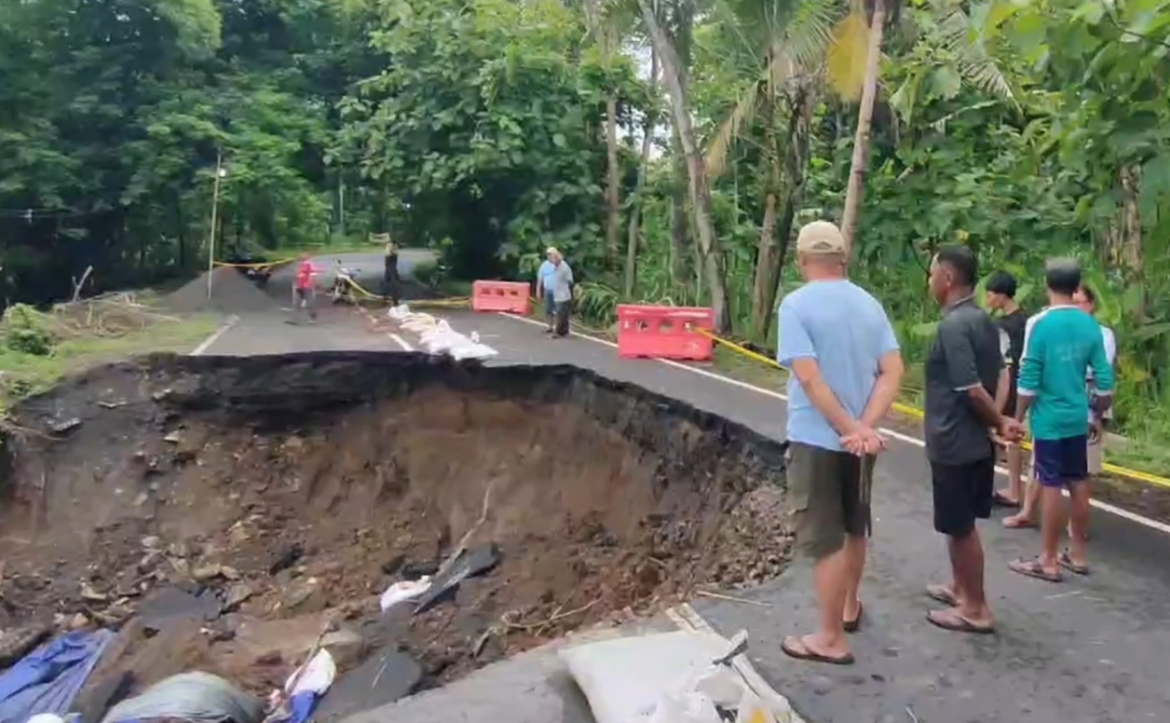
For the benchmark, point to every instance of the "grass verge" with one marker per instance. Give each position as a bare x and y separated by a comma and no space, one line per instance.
38,349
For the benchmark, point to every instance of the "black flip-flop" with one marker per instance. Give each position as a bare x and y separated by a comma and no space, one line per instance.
804,653
1001,500
957,624
852,626
1033,568
1067,563
942,594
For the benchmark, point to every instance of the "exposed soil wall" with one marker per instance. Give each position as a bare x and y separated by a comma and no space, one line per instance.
307,483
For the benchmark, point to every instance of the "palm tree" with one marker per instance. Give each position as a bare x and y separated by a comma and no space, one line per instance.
801,44
710,250
786,40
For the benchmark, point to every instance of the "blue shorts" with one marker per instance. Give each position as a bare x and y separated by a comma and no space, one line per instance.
1061,462
550,306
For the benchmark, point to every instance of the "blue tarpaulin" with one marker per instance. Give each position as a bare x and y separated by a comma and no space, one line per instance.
48,679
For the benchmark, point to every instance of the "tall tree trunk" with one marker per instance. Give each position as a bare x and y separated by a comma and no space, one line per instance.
595,18
856,189
680,228
680,31
709,246
1125,233
795,163
762,287
613,185
640,186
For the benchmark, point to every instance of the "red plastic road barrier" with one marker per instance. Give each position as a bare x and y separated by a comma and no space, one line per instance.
509,296
665,332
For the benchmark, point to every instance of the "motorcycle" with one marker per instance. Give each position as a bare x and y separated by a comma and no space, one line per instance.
343,290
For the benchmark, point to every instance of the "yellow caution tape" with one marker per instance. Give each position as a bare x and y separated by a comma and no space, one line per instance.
452,302
916,413
261,265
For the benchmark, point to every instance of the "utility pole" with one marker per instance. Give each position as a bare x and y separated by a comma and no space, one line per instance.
219,174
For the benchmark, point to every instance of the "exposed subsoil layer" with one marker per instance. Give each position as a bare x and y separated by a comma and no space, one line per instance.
296,488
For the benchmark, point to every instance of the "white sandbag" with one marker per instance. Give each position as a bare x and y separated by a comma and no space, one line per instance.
685,708
626,679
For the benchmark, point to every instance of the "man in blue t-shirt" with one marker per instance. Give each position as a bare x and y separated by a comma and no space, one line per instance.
544,288
1062,345
846,367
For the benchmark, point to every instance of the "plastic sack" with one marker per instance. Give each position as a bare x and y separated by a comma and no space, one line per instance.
190,697
404,590
625,680
685,708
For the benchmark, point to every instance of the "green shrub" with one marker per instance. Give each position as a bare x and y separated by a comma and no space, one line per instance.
26,330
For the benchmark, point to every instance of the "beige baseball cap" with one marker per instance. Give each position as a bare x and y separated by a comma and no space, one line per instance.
551,250
820,238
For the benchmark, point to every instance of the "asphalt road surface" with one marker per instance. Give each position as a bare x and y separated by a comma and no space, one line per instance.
1089,650
366,267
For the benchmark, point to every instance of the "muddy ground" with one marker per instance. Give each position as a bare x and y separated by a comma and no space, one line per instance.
263,498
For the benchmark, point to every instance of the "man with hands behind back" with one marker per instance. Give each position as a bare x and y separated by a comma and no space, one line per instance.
846,370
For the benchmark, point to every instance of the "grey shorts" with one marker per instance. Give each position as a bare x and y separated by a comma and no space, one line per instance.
828,497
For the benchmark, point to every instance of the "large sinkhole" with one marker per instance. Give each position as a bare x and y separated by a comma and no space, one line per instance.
219,511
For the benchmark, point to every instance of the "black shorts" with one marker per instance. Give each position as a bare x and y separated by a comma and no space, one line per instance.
962,494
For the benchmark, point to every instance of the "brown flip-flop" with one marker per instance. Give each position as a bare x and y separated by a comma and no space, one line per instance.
800,651
942,594
1067,563
1033,568
852,626
1015,522
955,623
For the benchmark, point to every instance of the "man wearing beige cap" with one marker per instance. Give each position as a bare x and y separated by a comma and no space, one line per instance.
544,285
846,370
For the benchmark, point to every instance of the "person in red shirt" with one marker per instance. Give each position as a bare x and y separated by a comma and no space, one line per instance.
303,290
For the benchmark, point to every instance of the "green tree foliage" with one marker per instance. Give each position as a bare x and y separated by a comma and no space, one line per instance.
1026,129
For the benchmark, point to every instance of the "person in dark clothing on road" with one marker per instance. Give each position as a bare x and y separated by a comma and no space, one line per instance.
391,282
963,373
1001,296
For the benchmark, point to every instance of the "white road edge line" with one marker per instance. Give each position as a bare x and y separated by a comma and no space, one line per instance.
215,335
401,342
1103,506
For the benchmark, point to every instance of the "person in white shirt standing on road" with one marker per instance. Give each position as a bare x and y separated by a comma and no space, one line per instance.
560,283
1086,298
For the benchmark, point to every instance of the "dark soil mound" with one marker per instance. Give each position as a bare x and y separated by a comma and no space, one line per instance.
311,482
231,292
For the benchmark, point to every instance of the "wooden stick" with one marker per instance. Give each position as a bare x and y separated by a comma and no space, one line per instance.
729,598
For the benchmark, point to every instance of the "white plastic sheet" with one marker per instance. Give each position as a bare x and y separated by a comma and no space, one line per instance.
404,590
315,677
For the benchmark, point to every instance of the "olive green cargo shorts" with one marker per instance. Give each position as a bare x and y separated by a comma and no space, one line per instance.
828,497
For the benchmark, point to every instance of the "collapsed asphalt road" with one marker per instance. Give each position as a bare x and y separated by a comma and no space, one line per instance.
1087,651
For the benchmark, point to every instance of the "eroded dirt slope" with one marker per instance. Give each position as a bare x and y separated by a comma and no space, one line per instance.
295,486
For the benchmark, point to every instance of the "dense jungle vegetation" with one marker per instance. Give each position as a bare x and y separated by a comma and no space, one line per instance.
670,148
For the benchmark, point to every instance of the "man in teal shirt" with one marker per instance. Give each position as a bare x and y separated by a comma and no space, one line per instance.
1062,344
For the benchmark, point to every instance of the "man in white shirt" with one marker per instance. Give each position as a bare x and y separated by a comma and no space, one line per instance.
1087,300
